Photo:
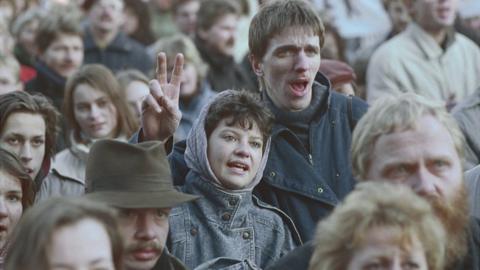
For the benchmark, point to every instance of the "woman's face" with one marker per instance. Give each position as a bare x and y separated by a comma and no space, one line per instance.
91,245
10,205
382,249
235,153
189,85
94,112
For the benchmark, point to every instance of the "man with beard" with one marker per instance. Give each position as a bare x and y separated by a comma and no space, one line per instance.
106,44
215,40
411,141
136,179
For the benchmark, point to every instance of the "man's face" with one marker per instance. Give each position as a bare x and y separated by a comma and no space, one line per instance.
24,135
221,35
8,81
434,15
64,55
106,15
289,66
186,17
425,159
144,232
398,14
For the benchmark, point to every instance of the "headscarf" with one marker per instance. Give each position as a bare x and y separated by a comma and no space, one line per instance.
196,151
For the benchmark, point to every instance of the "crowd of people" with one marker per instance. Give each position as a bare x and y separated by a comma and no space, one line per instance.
239,134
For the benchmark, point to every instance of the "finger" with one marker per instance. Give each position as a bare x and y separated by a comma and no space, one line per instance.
155,89
150,103
169,106
177,70
161,72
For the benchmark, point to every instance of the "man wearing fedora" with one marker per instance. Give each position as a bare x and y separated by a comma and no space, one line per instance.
136,179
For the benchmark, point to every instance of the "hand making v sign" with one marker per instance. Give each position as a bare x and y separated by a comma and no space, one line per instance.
160,113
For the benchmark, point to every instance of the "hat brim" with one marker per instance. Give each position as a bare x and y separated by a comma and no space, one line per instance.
141,199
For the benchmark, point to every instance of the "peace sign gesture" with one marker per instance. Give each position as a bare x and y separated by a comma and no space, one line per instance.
160,113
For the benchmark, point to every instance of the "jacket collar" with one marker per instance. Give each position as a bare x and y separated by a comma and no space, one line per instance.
321,86
426,43
229,208
471,101
48,74
120,43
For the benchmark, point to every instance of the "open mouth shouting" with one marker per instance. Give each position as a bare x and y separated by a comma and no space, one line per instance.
238,167
298,87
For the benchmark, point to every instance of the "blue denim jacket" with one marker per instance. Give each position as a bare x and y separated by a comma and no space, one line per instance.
227,224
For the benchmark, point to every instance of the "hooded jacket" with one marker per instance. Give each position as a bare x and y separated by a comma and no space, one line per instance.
224,223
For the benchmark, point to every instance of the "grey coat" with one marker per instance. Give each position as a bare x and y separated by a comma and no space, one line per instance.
467,114
472,181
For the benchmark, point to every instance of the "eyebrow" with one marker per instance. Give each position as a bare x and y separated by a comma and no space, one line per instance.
286,48
95,100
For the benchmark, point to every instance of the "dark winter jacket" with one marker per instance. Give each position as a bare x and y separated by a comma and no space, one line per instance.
306,184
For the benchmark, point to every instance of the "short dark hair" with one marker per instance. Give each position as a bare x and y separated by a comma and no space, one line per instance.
245,108
34,232
20,101
275,17
53,26
10,164
211,10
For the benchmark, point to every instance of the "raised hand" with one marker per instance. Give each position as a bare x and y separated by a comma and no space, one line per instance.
160,113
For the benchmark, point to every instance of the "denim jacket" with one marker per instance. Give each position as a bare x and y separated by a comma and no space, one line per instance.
227,224
306,184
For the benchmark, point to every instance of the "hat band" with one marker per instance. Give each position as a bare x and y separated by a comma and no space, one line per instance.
135,183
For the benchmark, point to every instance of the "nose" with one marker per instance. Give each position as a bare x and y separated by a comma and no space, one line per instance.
424,182
301,62
26,153
243,150
3,208
145,227
69,54
94,112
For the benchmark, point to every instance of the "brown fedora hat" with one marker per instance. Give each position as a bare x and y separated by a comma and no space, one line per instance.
131,175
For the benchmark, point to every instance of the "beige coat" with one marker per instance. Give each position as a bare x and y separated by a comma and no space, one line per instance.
67,174
414,62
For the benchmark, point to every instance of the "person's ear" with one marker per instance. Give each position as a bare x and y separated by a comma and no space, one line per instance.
257,65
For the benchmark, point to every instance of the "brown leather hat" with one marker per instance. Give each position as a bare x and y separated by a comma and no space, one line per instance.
131,175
